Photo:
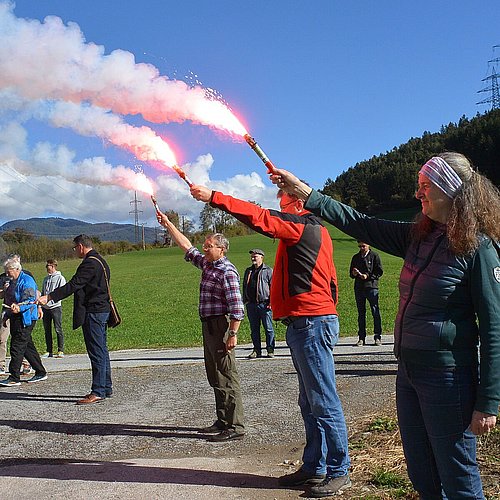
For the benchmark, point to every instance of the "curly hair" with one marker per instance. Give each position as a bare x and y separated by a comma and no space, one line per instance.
475,209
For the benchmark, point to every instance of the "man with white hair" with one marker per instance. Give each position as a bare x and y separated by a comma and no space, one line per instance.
21,294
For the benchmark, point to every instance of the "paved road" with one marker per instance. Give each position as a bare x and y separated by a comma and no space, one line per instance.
144,441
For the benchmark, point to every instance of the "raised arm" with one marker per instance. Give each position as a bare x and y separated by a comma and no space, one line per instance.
178,237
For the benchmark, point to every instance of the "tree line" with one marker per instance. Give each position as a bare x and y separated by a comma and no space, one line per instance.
387,181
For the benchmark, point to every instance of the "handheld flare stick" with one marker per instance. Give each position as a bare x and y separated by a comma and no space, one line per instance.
267,162
155,203
182,175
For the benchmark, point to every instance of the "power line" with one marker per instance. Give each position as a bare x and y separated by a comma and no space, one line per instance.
492,87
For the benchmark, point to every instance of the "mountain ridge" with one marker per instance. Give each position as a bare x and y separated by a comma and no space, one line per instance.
60,228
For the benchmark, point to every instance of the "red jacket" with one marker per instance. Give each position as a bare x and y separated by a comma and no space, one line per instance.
304,277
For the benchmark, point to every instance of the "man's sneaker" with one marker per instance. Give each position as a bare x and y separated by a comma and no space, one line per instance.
301,477
378,342
46,355
330,487
37,378
253,355
59,354
359,343
8,382
270,354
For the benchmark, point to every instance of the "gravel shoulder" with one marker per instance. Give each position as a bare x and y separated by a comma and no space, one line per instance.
144,440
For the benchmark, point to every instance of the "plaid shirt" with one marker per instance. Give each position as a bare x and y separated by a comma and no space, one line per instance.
219,286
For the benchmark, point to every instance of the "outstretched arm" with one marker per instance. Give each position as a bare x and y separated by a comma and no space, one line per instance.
178,237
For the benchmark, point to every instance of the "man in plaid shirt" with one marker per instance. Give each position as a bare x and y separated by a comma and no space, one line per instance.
221,311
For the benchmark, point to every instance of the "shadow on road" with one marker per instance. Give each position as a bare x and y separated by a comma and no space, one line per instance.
89,470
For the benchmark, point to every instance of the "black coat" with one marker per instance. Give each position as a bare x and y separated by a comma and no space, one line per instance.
371,265
89,288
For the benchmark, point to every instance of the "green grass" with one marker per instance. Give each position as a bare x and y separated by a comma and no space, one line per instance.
157,295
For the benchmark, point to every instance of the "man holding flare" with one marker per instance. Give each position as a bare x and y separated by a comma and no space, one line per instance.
221,311
303,296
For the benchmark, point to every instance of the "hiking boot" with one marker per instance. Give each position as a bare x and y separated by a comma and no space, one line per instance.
330,486
226,435
301,477
378,342
37,378
253,355
360,343
215,428
59,354
8,382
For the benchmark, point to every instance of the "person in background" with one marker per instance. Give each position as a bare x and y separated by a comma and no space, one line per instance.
366,269
256,288
21,295
53,310
5,330
221,311
446,394
304,297
90,311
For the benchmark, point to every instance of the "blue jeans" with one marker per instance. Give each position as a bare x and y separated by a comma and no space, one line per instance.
371,295
435,407
95,336
257,314
311,340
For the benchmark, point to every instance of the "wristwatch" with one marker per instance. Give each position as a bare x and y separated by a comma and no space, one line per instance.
232,333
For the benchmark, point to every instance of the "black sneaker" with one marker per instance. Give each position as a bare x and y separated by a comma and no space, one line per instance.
330,486
301,477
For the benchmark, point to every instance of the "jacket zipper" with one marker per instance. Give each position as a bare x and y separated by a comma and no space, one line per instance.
412,287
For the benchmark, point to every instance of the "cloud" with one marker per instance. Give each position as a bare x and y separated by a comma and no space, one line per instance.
50,74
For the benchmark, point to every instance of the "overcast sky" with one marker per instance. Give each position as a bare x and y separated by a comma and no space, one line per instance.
321,85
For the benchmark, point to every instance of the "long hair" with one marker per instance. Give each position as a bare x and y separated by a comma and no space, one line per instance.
475,210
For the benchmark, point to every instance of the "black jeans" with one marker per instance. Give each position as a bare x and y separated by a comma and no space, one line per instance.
55,315
22,346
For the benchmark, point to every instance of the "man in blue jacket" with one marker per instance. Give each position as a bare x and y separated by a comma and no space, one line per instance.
22,314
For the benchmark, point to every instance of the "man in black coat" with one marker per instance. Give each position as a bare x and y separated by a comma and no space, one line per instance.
90,311
366,269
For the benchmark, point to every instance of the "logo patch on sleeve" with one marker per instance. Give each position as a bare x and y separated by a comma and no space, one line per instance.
496,273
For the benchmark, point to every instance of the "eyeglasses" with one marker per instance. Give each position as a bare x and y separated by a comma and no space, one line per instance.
209,246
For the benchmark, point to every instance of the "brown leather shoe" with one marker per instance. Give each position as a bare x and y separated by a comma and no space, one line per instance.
89,399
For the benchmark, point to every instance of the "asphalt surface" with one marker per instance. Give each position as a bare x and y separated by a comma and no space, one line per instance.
144,441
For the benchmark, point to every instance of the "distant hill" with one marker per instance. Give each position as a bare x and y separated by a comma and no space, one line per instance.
61,229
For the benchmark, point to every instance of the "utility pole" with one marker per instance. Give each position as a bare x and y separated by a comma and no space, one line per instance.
136,203
143,239
492,81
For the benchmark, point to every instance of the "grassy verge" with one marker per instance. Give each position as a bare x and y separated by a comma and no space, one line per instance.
157,294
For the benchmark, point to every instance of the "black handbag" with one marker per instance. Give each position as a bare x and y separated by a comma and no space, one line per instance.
114,316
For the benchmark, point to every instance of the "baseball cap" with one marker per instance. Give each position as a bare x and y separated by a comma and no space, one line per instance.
257,251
